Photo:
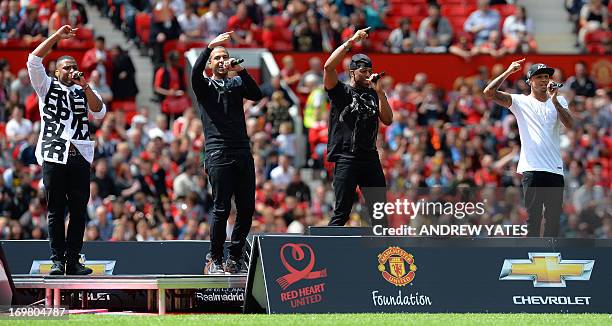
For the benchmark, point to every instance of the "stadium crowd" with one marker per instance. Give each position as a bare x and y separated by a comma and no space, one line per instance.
148,182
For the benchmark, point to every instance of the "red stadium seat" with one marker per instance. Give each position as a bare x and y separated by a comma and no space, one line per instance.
13,43
398,3
457,23
84,34
379,36
596,48
504,10
597,36
286,35
280,22
457,10
456,2
74,44
128,107
416,22
171,45
282,46
411,11
392,22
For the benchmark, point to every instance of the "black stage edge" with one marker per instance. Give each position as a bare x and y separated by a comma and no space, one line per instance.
7,288
339,230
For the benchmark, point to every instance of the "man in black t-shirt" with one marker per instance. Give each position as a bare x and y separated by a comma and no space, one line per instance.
353,127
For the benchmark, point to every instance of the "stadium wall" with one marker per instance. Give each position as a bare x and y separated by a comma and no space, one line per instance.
443,69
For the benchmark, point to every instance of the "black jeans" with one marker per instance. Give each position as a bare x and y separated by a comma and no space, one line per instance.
67,185
231,173
543,191
369,176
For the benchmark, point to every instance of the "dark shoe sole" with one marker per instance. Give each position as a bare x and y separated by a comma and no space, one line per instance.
73,273
56,273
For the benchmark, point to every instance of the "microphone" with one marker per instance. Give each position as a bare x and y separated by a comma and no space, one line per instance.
554,85
236,62
379,76
77,75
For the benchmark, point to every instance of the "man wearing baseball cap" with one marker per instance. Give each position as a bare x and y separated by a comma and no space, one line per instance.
538,116
355,110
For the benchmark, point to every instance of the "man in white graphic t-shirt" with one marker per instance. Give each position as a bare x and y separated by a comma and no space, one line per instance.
64,149
538,116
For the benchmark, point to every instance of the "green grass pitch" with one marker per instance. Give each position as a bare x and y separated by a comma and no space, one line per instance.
331,319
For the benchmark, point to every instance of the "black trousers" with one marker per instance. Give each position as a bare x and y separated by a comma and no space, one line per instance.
543,191
231,173
369,176
67,185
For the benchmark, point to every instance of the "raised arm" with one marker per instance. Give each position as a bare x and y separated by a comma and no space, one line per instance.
197,77
330,75
491,92
65,32
38,75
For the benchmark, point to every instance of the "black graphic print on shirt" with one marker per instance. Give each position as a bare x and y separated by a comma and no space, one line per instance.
59,103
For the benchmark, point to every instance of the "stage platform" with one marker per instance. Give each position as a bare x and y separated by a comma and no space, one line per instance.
163,284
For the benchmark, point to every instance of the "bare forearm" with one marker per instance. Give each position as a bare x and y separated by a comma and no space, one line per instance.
45,47
491,92
94,102
164,92
496,83
336,57
386,114
564,115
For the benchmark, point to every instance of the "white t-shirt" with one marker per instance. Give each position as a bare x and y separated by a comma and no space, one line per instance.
281,177
189,23
14,128
538,124
64,116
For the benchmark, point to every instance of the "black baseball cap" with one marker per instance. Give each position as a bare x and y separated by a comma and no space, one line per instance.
360,60
538,69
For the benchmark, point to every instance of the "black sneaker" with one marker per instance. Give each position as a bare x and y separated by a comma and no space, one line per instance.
235,266
58,268
213,266
76,268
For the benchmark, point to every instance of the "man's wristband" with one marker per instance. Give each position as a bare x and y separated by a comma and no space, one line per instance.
86,87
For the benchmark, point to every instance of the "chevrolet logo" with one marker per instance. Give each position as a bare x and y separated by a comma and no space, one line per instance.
546,270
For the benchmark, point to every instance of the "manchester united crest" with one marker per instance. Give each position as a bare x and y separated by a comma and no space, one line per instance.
397,266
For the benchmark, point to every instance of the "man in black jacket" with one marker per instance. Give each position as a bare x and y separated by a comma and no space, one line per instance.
228,160
356,108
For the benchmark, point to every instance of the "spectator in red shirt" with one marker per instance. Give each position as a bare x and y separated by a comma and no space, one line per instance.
98,58
487,174
289,74
242,26
59,18
170,85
